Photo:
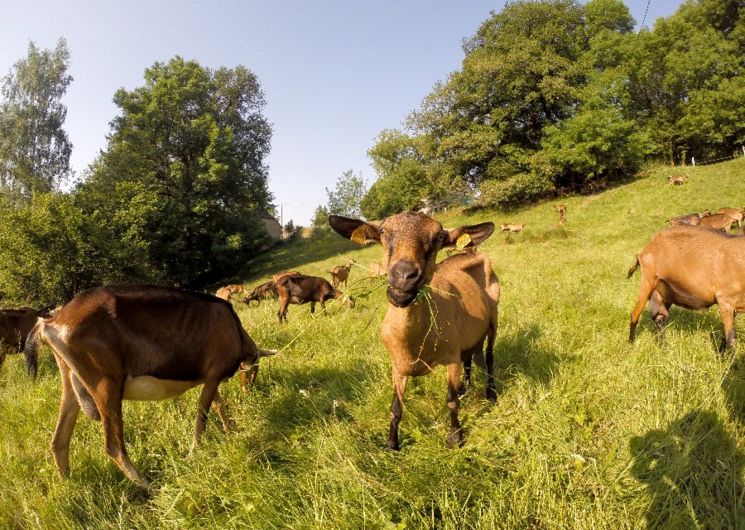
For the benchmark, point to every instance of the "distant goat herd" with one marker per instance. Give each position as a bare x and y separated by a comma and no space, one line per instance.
147,343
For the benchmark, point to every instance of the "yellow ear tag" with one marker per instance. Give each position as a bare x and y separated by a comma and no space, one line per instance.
462,242
359,235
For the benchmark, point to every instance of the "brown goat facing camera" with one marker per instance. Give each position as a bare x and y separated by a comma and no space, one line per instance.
138,342
438,313
692,268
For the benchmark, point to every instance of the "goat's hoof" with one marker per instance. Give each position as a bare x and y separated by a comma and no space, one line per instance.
392,445
491,395
455,439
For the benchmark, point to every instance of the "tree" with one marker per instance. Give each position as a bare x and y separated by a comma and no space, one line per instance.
183,178
347,195
34,148
320,217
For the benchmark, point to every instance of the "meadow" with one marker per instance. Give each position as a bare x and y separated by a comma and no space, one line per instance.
588,431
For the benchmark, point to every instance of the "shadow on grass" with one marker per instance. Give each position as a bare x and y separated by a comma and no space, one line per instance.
692,470
687,321
317,394
521,354
733,386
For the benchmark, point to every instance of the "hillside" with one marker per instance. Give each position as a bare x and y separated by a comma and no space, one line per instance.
588,431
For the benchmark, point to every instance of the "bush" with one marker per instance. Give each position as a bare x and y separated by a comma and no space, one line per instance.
515,191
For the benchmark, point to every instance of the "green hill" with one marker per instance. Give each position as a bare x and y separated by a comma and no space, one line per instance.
588,431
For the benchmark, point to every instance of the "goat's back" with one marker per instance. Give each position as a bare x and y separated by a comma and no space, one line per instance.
702,264
155,331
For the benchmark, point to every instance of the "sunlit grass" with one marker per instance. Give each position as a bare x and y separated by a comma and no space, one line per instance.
588,431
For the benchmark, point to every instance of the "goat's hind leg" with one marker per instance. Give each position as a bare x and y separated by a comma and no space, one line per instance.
68,415
108,397
491,391
645,291
658,310
727,313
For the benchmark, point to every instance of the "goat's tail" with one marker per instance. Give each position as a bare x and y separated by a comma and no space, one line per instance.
31,348
633,267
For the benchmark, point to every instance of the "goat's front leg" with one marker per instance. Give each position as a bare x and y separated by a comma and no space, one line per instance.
399,387
456,434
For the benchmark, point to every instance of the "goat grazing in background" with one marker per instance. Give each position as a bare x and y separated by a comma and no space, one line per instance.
438,314
677,180
513,228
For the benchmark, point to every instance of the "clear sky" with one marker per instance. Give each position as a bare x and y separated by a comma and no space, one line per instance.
335,73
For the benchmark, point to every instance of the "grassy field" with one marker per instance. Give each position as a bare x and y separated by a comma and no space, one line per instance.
588,431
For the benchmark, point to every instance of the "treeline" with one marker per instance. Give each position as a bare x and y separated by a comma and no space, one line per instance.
555,96
175,197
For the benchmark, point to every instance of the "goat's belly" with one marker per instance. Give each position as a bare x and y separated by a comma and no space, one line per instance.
148,388
685,296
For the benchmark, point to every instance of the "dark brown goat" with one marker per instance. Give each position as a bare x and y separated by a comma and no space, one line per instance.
15,325
693,268
262,292
301,289
142,343
449,323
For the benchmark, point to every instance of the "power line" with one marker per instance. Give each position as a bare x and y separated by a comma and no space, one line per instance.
644,18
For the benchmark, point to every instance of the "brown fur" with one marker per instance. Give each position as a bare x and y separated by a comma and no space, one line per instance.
262,292
228,291
677,180
377,269
15,325
735,213
692,268
138,342
692,219
450,324
514,228
301,289
562,210
717,221
340,273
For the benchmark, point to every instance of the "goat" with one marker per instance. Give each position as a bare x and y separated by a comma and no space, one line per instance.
301,289
340,273
513,228
717,221
562,211
228,291
692,219
262,292
692,268
15,325
138,342
677,180
735,213
448,323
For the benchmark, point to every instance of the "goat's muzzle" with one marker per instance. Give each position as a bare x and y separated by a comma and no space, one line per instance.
404,280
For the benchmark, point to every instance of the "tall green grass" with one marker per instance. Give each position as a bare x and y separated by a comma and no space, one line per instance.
588,431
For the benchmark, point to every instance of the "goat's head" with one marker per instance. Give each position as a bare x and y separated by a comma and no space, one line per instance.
410,245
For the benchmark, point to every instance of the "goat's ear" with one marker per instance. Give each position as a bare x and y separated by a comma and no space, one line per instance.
355,229
477,234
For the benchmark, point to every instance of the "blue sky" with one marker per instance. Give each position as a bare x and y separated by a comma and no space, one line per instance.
335,73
